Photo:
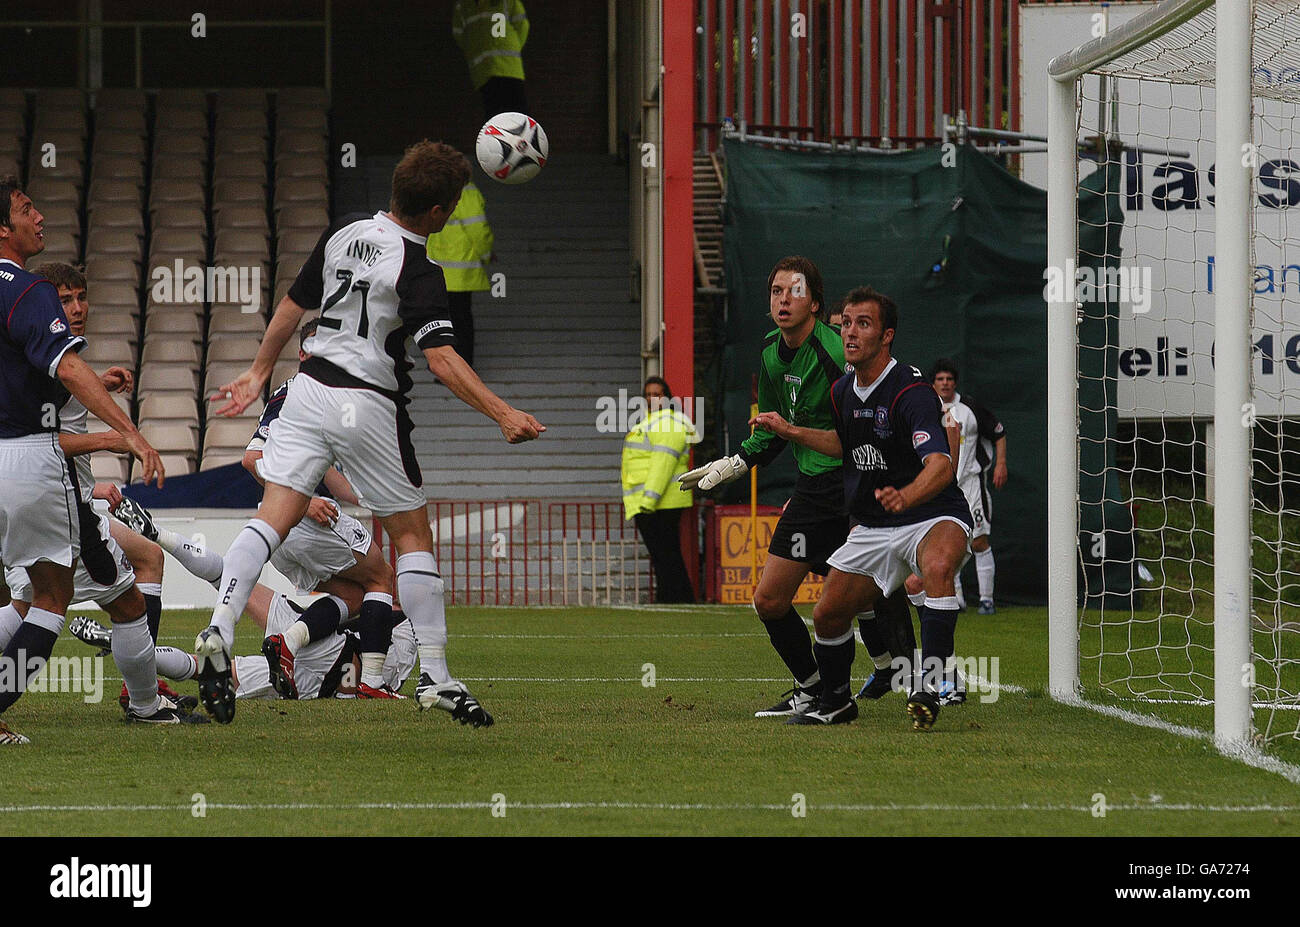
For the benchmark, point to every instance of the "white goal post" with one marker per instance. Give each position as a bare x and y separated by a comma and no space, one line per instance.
1216,47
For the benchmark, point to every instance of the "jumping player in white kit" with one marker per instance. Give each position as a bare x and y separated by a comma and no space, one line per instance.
375,286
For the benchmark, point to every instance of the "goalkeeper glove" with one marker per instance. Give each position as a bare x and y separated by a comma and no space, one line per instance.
714,474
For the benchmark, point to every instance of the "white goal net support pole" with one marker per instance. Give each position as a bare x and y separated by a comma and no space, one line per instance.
1232,75
1233,675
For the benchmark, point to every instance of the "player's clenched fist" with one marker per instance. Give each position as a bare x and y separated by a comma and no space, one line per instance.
519,427
890,499
714,474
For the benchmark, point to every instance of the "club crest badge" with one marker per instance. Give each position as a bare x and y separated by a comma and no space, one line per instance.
882,422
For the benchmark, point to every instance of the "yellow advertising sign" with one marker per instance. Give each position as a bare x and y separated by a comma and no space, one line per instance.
735,556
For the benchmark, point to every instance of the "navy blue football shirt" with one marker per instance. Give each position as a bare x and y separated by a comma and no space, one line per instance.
887,431
34,336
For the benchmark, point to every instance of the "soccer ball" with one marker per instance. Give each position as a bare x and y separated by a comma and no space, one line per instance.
512,148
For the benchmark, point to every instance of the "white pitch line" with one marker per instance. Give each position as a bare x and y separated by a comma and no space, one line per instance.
647,806
567,637
1204,703
1248,755
636,679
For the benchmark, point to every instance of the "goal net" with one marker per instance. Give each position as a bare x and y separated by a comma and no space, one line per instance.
1185,310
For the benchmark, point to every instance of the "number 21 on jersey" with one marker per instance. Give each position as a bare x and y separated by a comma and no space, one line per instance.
339,296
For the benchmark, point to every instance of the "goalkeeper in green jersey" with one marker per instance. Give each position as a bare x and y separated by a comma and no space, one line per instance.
800,361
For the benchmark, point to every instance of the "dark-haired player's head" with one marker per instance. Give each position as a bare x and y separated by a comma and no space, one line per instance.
426,185
21,237
308,329
868,325
944,377
71,284
794,290
836,313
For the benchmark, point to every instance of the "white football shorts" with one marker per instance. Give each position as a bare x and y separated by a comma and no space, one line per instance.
312,553
361,429
981,506
888,555
38,508
310,663
84,589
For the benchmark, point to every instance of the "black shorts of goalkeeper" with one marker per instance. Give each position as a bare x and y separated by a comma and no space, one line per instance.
813,524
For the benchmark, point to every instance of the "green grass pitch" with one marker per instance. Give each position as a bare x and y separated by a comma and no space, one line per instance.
583,746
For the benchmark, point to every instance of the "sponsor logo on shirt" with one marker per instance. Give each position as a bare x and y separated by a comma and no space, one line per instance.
795,383
868,457
58,326
919,438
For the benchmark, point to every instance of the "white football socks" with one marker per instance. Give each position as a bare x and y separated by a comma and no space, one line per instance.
203,563
984,570
10,621
372,669
420,589
133,654
248,553
174,663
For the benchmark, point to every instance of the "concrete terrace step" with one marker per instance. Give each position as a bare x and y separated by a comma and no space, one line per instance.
566,334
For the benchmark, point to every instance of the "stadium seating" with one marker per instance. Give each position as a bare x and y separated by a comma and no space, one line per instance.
136,181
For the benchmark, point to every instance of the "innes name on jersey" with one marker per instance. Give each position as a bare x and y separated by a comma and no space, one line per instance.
374,285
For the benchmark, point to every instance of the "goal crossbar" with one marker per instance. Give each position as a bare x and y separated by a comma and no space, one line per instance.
1138,31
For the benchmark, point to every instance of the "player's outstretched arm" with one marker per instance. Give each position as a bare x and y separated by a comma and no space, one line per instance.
78,445
246,388
816,439
82,382
460,378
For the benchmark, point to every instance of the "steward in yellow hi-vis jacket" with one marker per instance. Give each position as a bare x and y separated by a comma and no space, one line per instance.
462,249
655,453
492,33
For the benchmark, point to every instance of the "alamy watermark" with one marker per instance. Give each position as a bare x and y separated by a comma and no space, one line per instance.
967,674
1124,285
80,675
191,283
620,414
75,879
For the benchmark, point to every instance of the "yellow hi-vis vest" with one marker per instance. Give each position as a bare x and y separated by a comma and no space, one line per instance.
655,453
464,244
492,34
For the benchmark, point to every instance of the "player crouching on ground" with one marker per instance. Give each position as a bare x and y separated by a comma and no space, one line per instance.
328,667
907,513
